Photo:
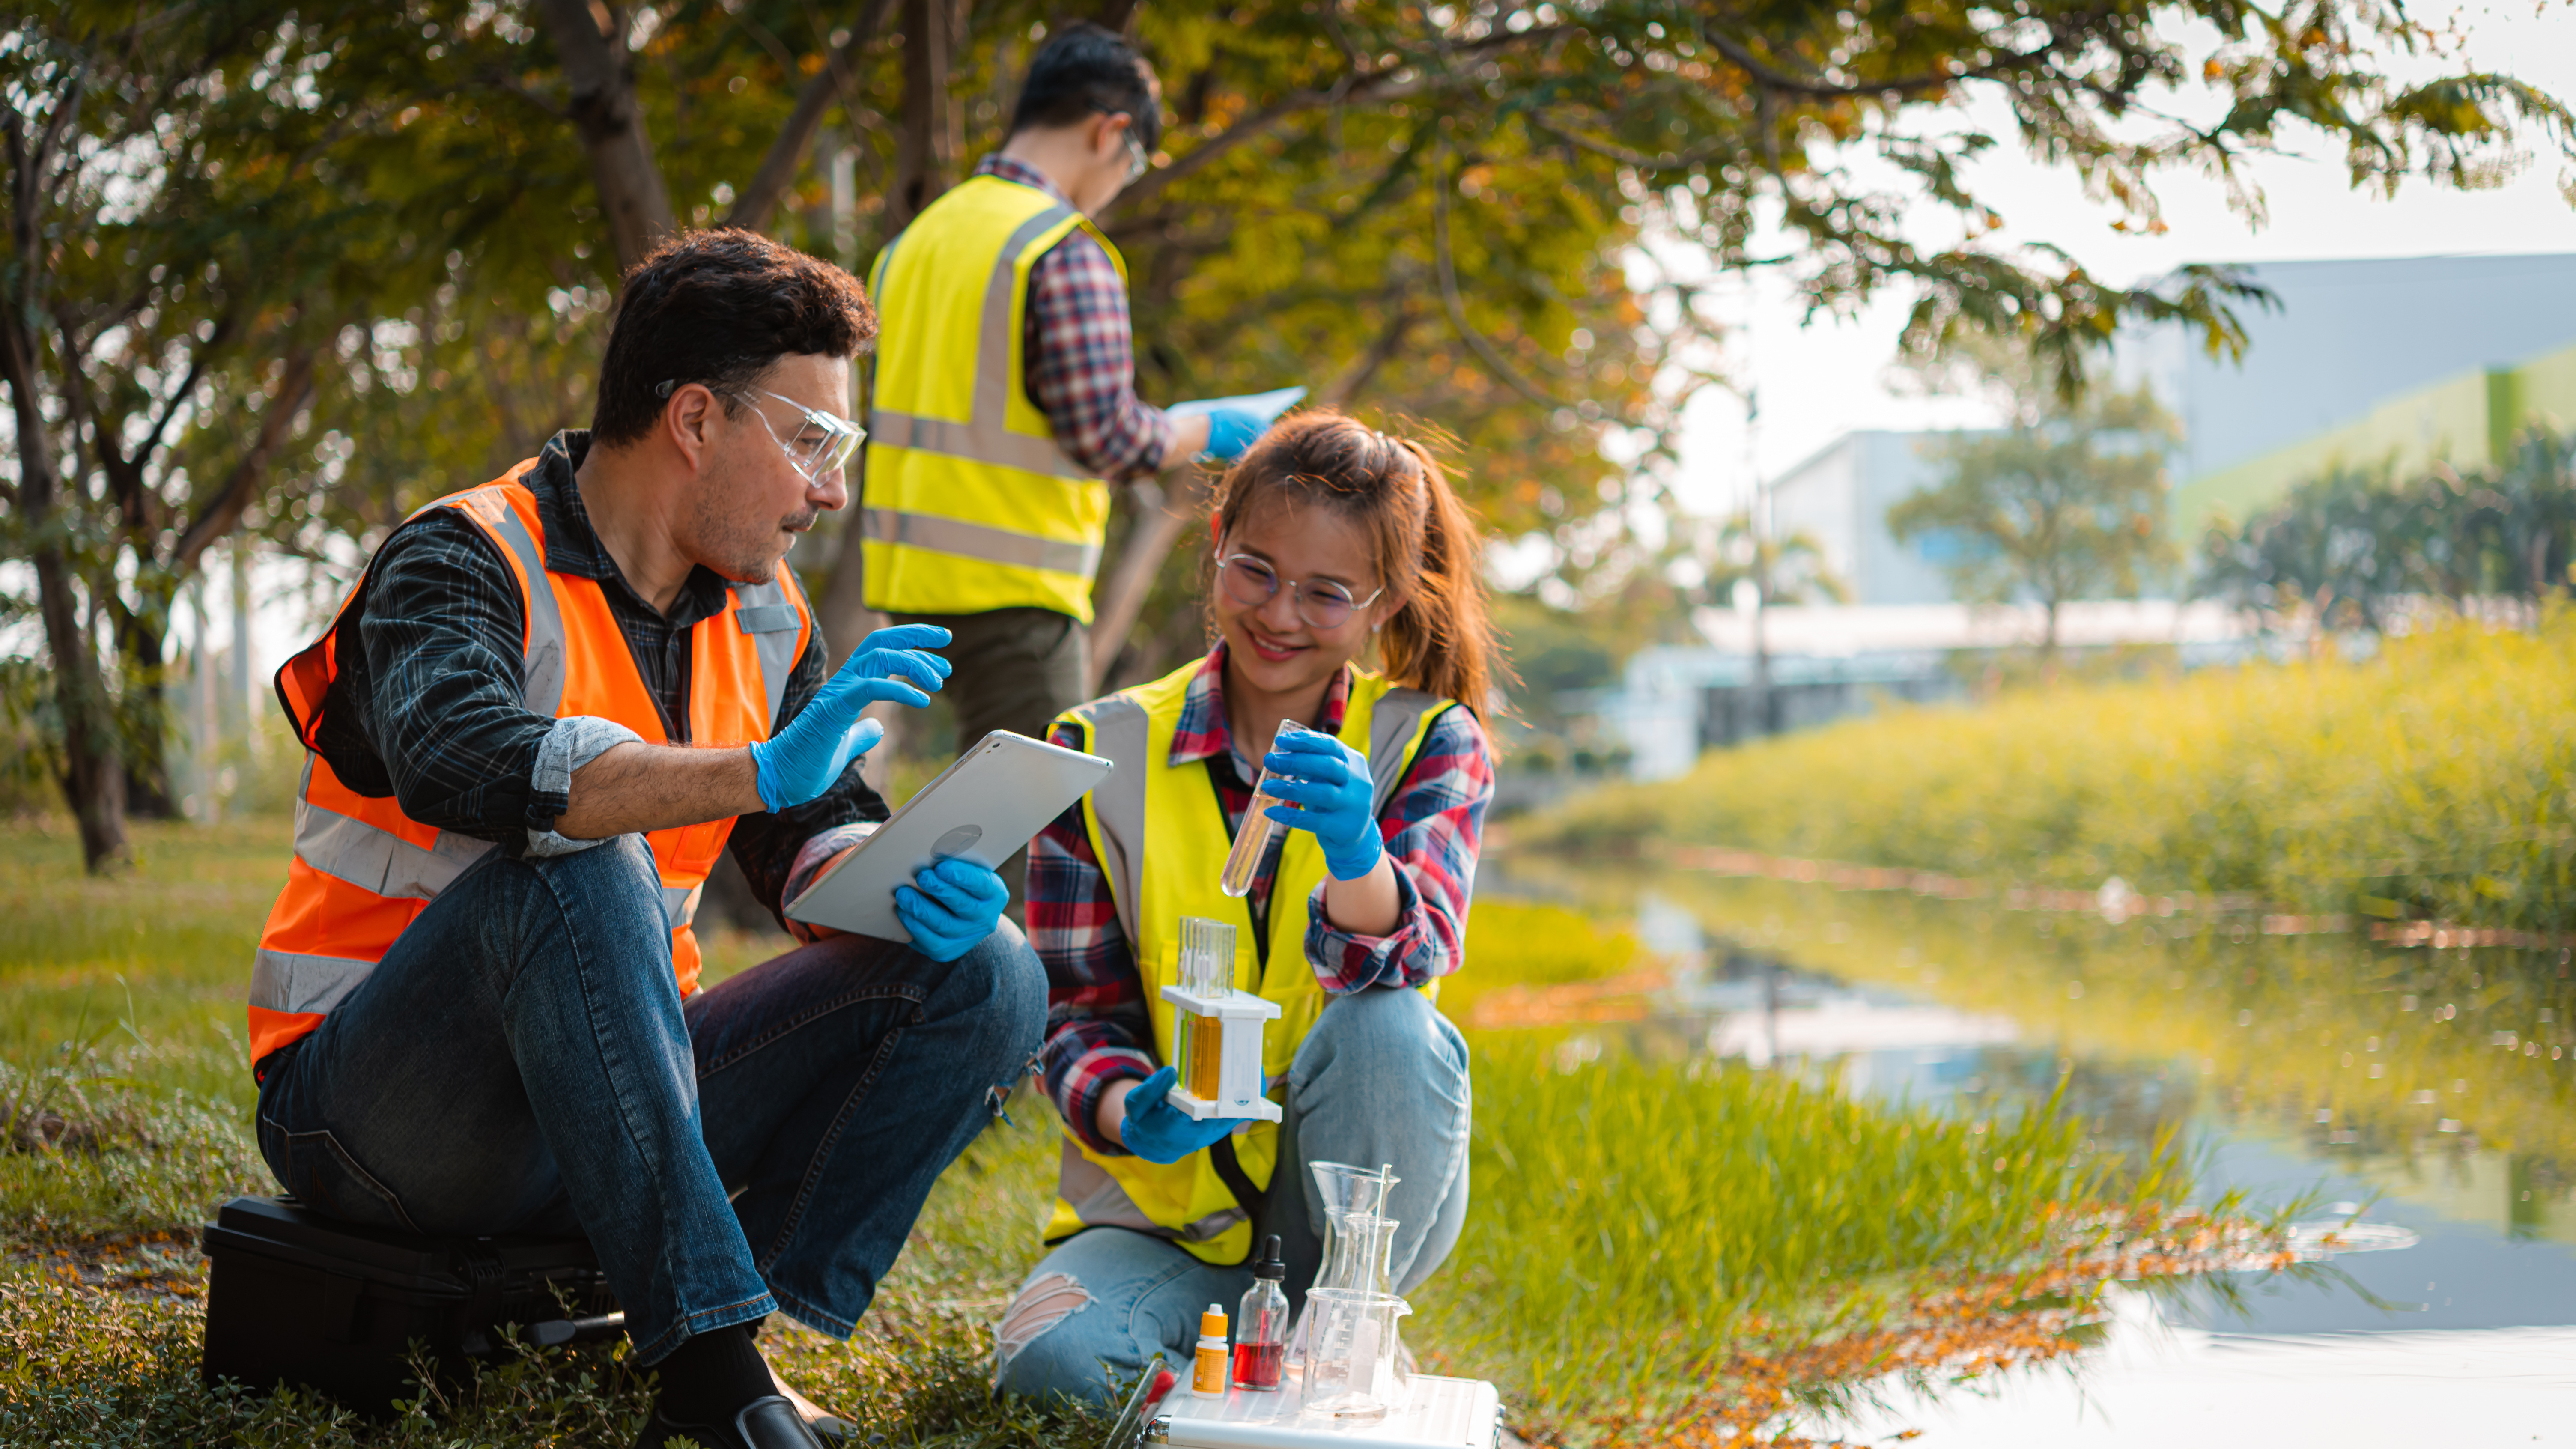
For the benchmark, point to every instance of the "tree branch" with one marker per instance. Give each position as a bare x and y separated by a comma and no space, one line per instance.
759,200
223,512
1476,341
630,185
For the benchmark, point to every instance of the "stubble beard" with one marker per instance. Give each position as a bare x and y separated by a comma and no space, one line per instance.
730,542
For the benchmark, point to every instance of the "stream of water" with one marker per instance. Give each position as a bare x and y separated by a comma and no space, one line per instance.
2414,1101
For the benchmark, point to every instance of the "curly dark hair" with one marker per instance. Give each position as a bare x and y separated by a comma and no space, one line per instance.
720,307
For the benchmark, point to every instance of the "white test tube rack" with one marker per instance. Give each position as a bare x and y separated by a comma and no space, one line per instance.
1211,1012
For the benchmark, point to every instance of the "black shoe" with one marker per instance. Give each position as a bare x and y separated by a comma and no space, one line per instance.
770,1423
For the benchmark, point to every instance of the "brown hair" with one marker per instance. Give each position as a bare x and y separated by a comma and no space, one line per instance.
719,307
1427,542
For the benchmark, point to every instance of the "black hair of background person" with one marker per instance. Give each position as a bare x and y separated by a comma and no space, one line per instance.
719,307
1085,70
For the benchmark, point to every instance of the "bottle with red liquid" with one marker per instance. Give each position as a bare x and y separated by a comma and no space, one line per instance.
1261,1325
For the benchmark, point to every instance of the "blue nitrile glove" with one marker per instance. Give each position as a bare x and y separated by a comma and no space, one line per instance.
955,907
1231,430
810,754
1157,1131
1328,788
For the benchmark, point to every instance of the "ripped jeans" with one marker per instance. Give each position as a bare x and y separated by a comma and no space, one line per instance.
521,1061
1382,1078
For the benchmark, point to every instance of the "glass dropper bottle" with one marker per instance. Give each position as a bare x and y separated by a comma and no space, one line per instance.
1261,1324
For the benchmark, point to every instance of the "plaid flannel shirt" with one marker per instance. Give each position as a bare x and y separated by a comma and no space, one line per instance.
427,708
1098,1032
1081,350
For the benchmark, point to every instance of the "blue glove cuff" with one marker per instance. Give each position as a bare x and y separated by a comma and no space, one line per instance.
764,774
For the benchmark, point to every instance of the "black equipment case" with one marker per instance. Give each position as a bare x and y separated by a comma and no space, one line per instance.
300,1298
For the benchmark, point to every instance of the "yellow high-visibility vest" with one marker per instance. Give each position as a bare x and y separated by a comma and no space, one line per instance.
970,505
1160,836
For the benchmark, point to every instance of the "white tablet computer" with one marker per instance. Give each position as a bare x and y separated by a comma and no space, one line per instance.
983,807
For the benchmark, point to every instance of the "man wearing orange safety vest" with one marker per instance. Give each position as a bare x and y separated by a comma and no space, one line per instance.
546,708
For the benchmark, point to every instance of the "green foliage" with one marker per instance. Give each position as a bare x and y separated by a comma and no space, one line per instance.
2351,548
2069,506
1636,1222
2439,775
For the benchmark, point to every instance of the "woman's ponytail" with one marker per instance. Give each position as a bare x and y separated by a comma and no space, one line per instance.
1429,547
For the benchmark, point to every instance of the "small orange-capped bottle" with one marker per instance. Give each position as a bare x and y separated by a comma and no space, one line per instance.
1207,1370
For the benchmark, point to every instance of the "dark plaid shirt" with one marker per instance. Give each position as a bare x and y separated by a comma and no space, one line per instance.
427,708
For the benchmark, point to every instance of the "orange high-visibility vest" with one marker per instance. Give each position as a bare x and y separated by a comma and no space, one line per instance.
363,869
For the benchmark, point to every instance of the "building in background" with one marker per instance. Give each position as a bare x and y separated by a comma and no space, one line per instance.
1840,495
2419,358
2414,359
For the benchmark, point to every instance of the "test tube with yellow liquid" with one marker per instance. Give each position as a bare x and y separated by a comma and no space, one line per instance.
1217,1041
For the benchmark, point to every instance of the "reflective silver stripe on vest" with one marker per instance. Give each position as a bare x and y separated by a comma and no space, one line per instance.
759,608
1120,731
1100,1202
978,541
972,442
374,860
541,674
680,903
285,981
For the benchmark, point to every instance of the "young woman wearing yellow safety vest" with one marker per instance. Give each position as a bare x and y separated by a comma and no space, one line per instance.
1329,540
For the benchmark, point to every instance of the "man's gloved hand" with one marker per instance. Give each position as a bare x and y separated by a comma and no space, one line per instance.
810,754
1328,786
1231,430
956,905
1157,1131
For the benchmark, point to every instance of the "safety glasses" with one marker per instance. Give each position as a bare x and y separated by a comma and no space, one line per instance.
822,445
1322,603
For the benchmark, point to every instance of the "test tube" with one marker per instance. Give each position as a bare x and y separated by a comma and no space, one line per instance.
1252,837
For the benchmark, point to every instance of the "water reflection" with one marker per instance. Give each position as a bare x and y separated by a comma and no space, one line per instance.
2423,1095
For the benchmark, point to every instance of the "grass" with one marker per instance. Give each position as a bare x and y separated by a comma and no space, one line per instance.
2437,780
1651,1248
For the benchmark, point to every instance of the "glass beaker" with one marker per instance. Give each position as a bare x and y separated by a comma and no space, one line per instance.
1360,1255
1341,1190
1252,836
1350,1355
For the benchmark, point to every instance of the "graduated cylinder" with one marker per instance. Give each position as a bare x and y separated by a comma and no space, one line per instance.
1217,1042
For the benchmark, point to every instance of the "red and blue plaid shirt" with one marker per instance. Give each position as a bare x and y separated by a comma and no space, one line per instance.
1098,1032
1081,350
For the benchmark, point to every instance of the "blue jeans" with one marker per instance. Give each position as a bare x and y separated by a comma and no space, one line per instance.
521,1061
1381,1079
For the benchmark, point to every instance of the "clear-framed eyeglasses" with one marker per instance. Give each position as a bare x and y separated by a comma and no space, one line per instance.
1322,603
1139,160
821,444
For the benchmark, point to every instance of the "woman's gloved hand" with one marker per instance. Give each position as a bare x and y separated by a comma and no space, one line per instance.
1328,788
951,906
810,754
1157,1131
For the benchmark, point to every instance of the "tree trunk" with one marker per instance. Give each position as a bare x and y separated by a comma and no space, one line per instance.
93,777
612,129
1161,518
146,703
925,158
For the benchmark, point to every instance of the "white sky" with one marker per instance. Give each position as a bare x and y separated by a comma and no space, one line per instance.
1819,381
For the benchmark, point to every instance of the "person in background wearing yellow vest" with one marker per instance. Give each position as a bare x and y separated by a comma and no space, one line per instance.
1330,541
546,708
1004,403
